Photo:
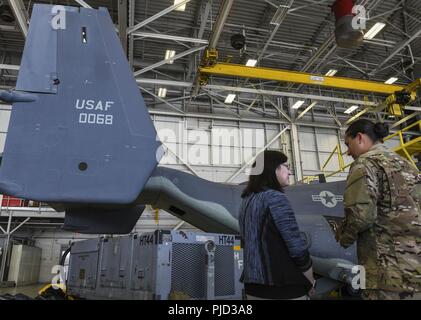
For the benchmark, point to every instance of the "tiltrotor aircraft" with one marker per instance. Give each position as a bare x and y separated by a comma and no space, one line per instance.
80,138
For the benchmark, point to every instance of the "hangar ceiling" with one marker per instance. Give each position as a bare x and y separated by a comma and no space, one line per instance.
302,40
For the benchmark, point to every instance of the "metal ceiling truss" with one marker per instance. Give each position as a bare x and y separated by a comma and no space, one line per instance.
261,40
156,16
20,14
122,23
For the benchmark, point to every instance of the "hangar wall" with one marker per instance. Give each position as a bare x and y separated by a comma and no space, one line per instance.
4,123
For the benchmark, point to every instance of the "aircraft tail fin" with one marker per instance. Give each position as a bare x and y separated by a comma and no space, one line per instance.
102,221
79,131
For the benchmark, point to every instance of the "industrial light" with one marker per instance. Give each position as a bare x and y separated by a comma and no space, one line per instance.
230,98
6,14
238,41
251,62
331,72
298,104
180,8
351,109
280,14
306,110
169,54
374,30
391,80
162,92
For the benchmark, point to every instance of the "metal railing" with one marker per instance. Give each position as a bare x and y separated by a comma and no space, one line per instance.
309,179
403,146
342,166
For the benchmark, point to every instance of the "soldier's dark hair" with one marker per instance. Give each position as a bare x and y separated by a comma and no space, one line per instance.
375,131
267,178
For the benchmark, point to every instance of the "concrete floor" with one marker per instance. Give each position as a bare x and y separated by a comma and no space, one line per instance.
30,290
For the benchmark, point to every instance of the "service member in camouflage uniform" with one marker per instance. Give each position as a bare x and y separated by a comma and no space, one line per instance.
382,213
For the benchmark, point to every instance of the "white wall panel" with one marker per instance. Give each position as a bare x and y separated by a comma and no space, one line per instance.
2,141
333,164
225,136
307,141
169,131
4,120
4,124
309,160
327,142
226,156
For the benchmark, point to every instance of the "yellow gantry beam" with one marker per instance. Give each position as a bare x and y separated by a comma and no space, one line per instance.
388,101
236,70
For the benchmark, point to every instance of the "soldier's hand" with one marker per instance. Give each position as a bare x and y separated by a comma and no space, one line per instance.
335,229
337,235
312,291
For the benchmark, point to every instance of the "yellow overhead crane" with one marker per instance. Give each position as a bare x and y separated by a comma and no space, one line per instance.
236,70
398,96
394,101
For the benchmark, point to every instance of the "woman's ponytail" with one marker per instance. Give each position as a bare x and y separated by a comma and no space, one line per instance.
381,130
376,132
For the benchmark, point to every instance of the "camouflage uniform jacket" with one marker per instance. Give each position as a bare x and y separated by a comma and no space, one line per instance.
382,211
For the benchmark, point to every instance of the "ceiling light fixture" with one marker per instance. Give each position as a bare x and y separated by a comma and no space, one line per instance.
351,109
298,104
230,98
162,92
251,62
331,72
391,80
374,30
169,54
180,8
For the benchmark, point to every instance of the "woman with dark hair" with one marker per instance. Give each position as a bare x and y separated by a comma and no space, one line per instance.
382,213
277,264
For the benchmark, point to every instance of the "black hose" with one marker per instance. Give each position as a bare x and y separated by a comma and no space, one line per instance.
63,257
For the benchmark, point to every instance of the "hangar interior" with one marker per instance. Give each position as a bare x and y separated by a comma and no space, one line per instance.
186,56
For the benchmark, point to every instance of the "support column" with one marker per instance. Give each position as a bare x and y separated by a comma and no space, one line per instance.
295,146
130,37
7,242
5,248
122,23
